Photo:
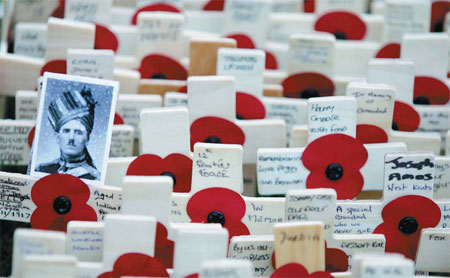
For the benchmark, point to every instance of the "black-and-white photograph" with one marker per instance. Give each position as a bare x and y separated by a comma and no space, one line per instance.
74,127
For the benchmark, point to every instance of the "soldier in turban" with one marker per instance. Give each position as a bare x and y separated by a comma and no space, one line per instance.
72,117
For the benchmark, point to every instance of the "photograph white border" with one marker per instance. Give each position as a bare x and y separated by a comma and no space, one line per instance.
39,119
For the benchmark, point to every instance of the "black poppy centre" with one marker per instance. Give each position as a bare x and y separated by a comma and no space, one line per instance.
213,140
62,205
334,171
170,174
158,75
421,100
216,217
239,116
394,126
408,225
340,35
309,93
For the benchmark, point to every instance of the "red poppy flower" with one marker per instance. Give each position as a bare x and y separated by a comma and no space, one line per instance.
59,11
176,166
56,66
370,134
138,265
334,161
336,260
163,246
60,198
390,50
271,61
294,270
183,89
308,6
219,205
214,5
31,136
343,25
438,11
429,90
158,7
194,275
307,85
406,117
162,67
249,107
216,130
105,38
403,222
242,40
118,119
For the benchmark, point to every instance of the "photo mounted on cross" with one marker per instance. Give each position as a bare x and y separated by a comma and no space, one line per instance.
74,127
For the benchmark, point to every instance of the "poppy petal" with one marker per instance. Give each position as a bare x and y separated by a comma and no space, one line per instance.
370,134
158,7
226,201
391,50
214,5
105,38
56,66
428,216
207,127
308,6
341,149
162,67
118,119
439,10
137,264
31,136
163,246
249,107
183,89
344,25
405,117
290,270
271,61
429,90
178,165
306,85
59,11
336,260
193,275
242,40
46,189
321,274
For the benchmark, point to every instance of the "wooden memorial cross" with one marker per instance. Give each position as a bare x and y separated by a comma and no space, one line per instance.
30,39
374,108
195,246
320,205
163,135
26,103
431,255
441,177
400,75
203,54
251,16
173,99
89,10
227,268
17,67
256,133
15,146
310,63
27,242
300,243
159,43
386,265
91,63
405,17
63,34
428,52
51,266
